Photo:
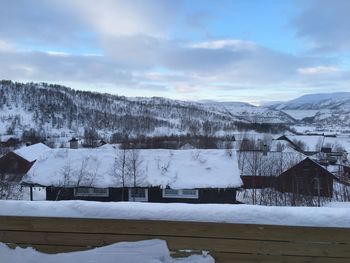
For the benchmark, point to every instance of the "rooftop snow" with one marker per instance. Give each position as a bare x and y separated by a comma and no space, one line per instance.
312,142
32,152
178,169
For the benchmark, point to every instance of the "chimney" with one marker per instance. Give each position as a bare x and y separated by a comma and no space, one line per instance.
73,143
265,150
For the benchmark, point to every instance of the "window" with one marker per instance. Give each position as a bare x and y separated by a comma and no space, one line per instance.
180,193
138,194
300,184
317,183
90,191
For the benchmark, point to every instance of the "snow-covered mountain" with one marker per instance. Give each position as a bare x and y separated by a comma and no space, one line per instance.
248,112
321,109
321,101
55,109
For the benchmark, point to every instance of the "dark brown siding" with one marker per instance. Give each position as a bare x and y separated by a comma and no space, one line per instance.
300,179
207,195
56,193
15,165
257,182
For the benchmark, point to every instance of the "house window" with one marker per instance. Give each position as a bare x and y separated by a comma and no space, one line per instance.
317,183
180,193
90,191
138,194
300,184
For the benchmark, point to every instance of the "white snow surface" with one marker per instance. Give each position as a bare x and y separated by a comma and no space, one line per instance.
338,216
32,152
300,114
312,142
178,169
147,251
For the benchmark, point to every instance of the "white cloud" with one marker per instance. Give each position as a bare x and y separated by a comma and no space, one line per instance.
318,70
5,46
111,18
233,44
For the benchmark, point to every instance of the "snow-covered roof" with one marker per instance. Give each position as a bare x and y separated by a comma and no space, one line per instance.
5,138
255,163
278,145
312,142
316,142
32,152
178,169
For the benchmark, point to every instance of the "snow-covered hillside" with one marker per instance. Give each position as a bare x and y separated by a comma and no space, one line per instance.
319,109
248,112
59,111
318,102
56,109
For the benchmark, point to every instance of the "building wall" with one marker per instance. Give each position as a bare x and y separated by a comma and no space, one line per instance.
225,196
300,179
205,195
14,165
257,182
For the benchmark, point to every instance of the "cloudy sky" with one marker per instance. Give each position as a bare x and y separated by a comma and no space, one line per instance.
239,50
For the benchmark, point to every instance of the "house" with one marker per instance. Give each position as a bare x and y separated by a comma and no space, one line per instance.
17,163
307,178
73,143
152,175
307,144
260,169
9,141
328,145
287,172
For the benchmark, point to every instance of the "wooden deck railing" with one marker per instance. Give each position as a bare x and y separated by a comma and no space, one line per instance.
225,242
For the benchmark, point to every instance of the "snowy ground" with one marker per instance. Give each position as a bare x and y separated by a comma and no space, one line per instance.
337,215
149,251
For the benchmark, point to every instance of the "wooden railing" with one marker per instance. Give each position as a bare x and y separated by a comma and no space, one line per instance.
225,242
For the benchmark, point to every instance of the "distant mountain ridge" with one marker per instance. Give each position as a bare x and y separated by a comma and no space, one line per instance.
56,109
318,101
330,108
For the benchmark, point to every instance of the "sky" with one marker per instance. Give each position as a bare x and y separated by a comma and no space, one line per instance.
226,50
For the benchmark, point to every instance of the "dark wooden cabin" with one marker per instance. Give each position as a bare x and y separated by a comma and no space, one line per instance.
14,166
11,142
306,178
143,194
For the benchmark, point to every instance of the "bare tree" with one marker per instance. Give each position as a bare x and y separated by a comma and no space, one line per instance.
83,176
120,168
134,163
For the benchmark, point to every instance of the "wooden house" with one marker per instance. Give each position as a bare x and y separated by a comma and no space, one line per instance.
9,141
15,164
188,176
260,169
286,172
307,178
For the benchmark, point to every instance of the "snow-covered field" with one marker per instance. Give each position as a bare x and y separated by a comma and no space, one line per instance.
334,215
148,251
300,114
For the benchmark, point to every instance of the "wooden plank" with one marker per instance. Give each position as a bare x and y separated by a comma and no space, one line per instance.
180,243
242,258
193,229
